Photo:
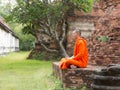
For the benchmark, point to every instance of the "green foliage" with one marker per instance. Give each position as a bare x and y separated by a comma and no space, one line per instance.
43,18
58,85
84,88
103,39
26,41
32,12
4,10
45,55
39,56
83,5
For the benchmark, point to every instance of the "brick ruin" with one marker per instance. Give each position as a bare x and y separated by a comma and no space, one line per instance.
107,79
76,78
104,23
82,21
104,43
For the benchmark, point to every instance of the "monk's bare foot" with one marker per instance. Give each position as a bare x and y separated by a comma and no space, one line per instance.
73,66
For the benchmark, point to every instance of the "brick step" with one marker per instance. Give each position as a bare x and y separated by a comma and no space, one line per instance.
75,77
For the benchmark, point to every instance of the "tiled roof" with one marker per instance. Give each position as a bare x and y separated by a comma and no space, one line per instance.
6,28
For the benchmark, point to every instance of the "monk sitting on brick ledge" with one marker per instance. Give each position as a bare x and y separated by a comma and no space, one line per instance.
80,57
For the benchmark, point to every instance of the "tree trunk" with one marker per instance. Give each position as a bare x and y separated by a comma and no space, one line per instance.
58,35
62,49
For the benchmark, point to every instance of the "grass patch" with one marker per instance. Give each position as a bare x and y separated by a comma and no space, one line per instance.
17,73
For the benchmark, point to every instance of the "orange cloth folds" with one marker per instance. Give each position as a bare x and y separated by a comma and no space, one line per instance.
80,58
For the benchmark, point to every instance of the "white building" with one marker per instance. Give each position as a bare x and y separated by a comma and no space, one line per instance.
9,42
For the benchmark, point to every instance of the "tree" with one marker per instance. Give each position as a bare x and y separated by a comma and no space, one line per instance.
26,41
4,10
48,18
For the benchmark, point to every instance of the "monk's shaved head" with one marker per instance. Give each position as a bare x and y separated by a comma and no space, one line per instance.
76,33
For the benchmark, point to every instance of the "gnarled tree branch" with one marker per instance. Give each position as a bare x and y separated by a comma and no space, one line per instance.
45,47
64,32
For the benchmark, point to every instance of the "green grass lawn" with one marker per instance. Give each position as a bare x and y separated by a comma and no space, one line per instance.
17,73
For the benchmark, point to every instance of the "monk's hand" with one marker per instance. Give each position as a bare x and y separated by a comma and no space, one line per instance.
73,66
71,57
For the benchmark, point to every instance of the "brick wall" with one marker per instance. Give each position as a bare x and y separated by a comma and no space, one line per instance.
104,45
77,78
82,21
104,42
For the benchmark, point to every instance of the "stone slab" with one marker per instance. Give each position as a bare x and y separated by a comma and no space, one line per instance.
75,77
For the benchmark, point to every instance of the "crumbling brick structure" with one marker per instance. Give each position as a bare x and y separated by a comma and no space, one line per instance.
104,45
82,21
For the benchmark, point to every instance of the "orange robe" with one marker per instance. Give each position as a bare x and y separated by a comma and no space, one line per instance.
80,58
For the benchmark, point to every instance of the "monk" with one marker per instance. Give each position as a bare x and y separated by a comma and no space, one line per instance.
80,54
